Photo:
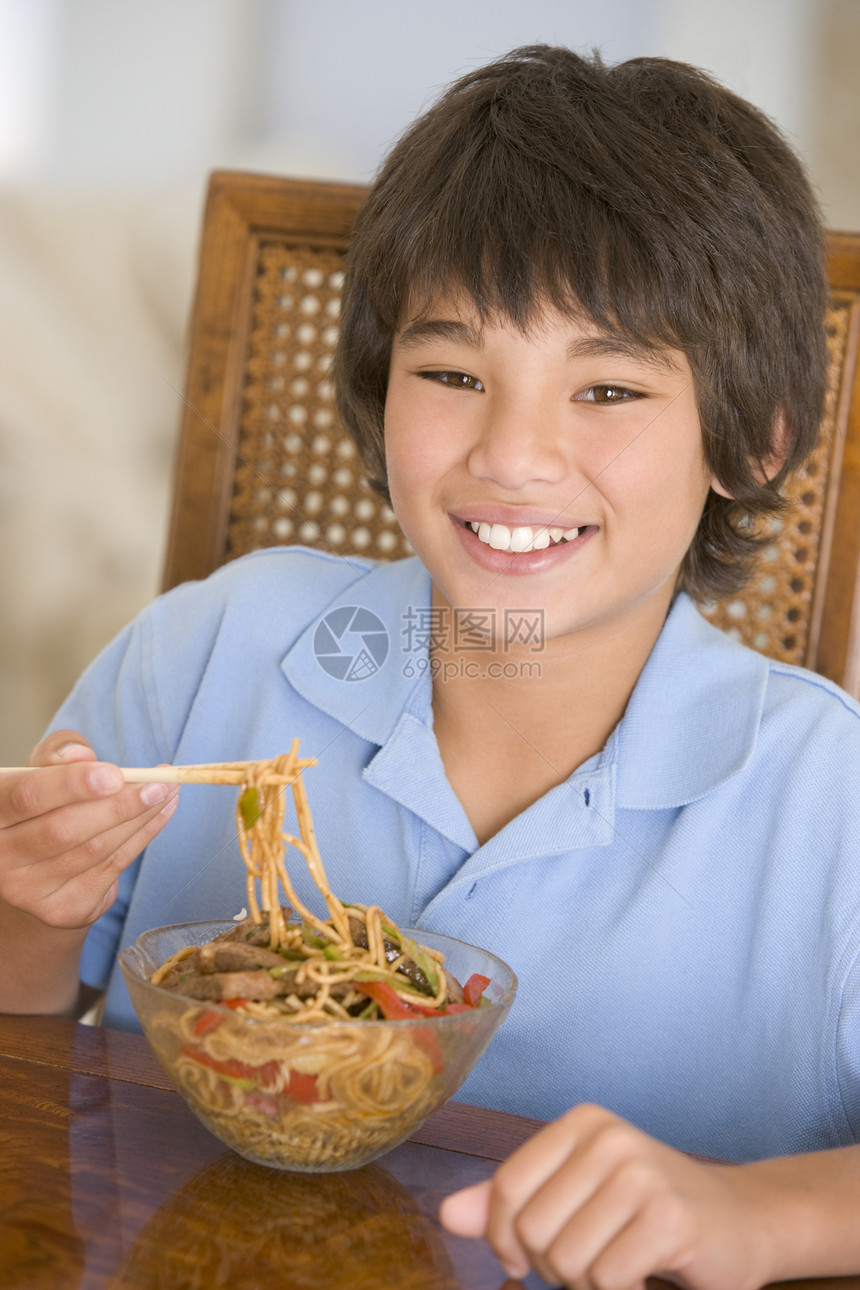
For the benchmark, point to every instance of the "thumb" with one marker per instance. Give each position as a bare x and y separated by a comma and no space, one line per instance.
466,1212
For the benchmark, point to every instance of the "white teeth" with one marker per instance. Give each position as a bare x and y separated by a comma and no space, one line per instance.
521,538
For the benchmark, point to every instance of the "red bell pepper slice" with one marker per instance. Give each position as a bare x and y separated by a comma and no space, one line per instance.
302,1088
474,988
207,1021
264,1076
391,1005
211,1020
395,1008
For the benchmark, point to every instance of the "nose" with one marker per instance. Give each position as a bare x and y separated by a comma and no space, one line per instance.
518,444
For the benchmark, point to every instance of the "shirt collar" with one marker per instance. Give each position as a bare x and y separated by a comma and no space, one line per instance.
693,718
391,707
359,661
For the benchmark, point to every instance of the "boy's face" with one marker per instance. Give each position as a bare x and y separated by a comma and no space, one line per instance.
563,434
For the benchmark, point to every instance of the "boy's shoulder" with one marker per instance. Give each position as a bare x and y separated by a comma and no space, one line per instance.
708,709
800,722
279,589
259,605
274,571
782,682
816,693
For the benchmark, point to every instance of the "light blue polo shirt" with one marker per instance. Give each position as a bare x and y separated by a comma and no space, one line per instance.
683,912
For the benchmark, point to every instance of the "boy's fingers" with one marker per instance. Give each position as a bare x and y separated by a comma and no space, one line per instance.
540,1157
28,795
552,1151
72,890
119,845
465,1213
57,808
60,748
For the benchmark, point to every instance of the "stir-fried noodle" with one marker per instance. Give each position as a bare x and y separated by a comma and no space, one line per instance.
285,1087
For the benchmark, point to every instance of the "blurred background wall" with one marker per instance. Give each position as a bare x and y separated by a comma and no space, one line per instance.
112,112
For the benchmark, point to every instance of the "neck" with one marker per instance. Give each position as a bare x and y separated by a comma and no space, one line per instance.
512,722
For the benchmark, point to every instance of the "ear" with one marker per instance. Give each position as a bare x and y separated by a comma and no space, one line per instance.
771,465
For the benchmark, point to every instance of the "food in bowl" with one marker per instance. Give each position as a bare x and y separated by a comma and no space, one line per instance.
325,1096
302,1042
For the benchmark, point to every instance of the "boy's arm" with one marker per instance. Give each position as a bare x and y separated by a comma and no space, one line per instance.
66,834
593,1200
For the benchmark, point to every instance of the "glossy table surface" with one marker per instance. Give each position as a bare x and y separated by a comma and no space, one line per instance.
108,1180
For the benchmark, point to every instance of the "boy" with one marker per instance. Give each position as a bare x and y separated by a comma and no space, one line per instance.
581,347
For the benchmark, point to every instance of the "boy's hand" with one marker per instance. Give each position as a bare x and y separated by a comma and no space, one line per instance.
66,833
596,1204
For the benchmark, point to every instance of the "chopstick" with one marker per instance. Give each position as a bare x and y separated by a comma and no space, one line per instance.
232,772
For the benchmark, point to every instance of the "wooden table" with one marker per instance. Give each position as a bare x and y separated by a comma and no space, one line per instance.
108,1181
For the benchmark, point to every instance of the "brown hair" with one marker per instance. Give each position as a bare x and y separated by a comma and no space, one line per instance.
645,196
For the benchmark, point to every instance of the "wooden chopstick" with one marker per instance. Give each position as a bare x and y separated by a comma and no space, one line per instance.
217,773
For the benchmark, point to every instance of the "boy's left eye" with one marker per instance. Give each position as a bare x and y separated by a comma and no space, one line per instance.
455,380
608,394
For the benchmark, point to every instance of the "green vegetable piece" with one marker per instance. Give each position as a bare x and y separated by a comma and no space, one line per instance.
240,1081
311,937
249,807
333,953
422,960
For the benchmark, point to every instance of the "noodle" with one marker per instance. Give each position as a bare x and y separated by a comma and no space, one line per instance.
269,1073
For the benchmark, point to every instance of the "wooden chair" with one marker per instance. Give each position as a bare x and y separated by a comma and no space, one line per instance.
263,460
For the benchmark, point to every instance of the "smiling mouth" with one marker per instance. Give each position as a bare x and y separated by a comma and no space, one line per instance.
521,539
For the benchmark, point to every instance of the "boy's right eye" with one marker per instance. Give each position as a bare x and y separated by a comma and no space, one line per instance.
455,380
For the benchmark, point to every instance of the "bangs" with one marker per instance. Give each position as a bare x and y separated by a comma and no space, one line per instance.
513,248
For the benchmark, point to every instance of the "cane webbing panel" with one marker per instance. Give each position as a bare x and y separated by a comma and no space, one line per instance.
298,476
773,612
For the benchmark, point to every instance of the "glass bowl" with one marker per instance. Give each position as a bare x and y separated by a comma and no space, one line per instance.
253,1081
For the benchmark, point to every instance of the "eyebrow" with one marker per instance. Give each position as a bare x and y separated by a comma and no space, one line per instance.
621,347
453,329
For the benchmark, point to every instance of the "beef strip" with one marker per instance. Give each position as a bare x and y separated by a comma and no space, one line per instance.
235,956
257,985
233,985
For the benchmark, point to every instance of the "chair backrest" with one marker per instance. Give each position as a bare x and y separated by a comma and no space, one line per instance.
263,460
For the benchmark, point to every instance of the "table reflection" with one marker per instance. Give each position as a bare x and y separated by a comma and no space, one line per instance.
240,1225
